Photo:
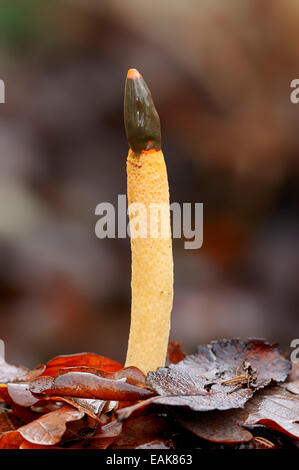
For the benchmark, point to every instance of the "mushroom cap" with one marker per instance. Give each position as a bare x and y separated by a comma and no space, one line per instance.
142,122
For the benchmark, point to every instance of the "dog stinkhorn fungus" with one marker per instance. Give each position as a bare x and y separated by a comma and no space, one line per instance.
152,262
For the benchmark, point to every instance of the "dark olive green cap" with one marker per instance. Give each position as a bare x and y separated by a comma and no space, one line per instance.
142,121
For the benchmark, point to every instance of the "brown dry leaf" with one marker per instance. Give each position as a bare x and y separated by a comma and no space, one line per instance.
92,408
157,444
143,430
32,374
216,426
221,375
49,428
89,360
46,430
133,376
4,396
101,439
86,385
8,421
276,408
175,353
21,395
29,445
24,413
134,410
10,440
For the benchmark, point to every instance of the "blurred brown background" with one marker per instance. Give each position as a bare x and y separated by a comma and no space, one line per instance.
220,76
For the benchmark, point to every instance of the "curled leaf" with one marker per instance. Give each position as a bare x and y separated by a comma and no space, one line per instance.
21,395
88,360
92,408
86,385
48,429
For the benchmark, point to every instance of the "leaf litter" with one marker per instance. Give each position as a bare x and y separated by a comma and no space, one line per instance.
225,394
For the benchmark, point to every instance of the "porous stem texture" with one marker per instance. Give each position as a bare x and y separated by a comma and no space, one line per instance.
152,262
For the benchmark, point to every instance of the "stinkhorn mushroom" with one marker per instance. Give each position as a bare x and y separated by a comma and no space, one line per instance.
152,261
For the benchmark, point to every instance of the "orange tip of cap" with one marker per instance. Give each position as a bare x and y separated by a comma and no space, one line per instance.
133,74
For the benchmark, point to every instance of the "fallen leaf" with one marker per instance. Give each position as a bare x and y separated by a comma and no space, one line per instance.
175,353
100,439
89,360
21,395
143,430
134,410
32,374
4,396
92,408
276,408
216,426
10,440
48,429
216,376
29,445
157,444
24,413
293,387
8,421
86,385
133,376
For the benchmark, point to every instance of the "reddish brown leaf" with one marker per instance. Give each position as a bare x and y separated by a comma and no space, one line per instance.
133,376
90,360
157,444
48,429
275,408
8,421
4,396
101,439
216,426
21,395
139,431
203,381
86,385
134,410
10,440
92,443
92,408
175,353
20,411
32,374
29,445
